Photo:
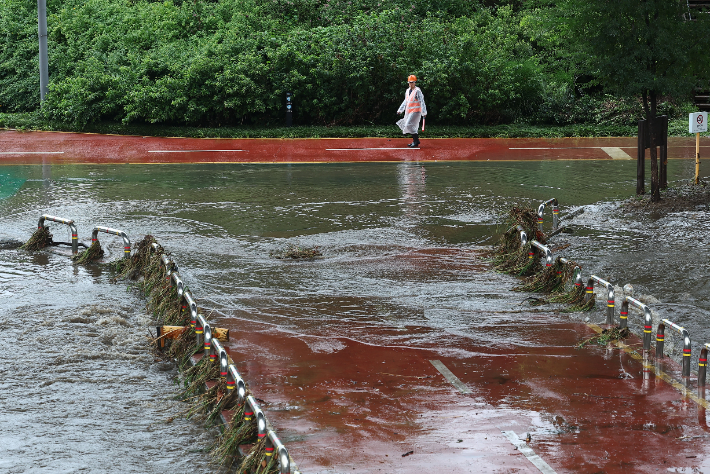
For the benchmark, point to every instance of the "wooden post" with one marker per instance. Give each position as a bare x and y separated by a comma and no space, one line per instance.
641,158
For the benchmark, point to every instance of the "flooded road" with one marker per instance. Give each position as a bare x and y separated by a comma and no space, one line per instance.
338,348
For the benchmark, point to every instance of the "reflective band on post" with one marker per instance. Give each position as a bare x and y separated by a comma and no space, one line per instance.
659,337
590,289
248,415
610,303
269,451
647,329
198,330
531,254
686,352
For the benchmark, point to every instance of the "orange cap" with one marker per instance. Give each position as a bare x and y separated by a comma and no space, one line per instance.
412,78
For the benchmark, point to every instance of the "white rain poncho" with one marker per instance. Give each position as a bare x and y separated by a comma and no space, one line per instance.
414,107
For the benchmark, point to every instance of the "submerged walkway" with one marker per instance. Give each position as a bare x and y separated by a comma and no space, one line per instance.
341,405
19,147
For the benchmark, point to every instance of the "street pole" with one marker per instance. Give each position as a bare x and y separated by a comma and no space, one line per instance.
697,158
43,67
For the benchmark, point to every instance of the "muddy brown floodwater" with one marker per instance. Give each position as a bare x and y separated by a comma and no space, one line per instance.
340,348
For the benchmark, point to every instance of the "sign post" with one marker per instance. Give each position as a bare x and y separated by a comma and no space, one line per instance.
697,123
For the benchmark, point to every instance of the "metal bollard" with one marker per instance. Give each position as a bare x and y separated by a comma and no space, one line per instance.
108,230
576,273
555,213
216,355
260,417
660,343
187,296
200,330
546,250
177,282
647,320
609,296
72,227
234,380
703,365
207,340
274,444
523,235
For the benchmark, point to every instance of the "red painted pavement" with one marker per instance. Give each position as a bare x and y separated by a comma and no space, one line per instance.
18,147
360,408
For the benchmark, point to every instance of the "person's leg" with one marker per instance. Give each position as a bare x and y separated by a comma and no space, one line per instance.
415,139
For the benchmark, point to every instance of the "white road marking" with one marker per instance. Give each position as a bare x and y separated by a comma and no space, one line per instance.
188,151
616,153
31,152
360,149
453,380
559,148
528,452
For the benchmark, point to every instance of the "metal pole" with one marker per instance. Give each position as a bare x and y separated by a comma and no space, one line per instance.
697,159
43,67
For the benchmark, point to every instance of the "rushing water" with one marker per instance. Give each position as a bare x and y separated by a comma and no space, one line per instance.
79,385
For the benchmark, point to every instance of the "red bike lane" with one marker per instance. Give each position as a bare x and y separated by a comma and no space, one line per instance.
20,147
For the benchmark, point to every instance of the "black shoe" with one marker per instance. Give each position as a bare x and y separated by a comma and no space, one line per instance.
416,144
412,145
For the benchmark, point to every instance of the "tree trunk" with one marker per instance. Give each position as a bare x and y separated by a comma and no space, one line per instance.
653,127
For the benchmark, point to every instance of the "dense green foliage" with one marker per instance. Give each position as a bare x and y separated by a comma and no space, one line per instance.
230,62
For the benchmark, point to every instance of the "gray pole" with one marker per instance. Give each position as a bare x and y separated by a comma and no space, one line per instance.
43,68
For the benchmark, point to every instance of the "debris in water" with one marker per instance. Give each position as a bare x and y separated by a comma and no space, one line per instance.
92,254
605,337
295,252
407,454
39,240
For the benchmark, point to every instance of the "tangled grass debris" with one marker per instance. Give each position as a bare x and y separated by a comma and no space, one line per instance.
40,239
90,255
295,252
605,337
203,403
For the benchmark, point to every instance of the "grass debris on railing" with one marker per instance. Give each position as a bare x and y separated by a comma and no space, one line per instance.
509,256
90,255
295,252
40,239
605,337
135,266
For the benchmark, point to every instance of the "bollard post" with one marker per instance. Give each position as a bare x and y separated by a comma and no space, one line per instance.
108,230
187,296
609,296
703,365
687,349
207,337
546,250
555,212
200,330
647,319
274,445
72,227
234,380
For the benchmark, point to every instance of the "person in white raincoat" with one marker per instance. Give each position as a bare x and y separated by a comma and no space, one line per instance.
414,109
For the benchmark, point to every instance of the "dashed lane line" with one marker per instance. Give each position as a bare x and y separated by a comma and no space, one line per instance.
361,149
448,375
191,151
31,152
528,452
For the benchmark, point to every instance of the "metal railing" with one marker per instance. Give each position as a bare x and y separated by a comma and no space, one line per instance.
660,343
545,250
555,213
72,227
609,296
108,230
576,272
647,320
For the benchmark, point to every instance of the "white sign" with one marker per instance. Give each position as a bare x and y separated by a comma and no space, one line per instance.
698,122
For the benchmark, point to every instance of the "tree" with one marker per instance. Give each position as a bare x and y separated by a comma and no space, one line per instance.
642,48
